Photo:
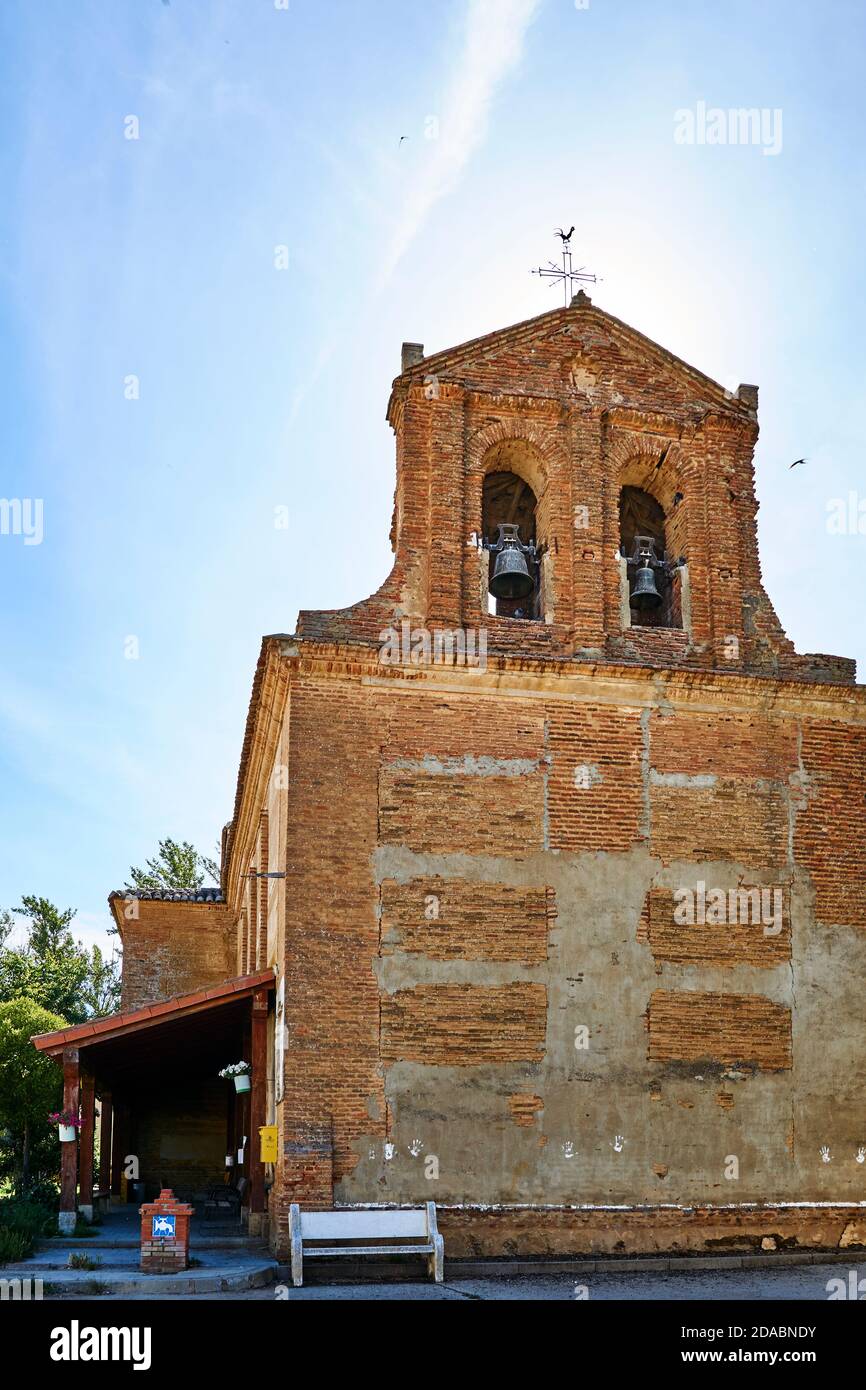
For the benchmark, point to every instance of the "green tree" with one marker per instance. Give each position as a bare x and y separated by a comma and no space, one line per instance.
176,866
31,1086
52,969
101,993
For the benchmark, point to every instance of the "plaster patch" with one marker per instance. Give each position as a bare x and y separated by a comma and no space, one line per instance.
467,766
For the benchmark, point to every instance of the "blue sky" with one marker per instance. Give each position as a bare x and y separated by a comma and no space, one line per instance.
261,388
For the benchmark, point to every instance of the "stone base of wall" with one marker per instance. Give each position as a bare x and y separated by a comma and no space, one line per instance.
562,1232
649,1230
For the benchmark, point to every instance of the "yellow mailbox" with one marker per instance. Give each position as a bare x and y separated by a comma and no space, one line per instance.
268,1136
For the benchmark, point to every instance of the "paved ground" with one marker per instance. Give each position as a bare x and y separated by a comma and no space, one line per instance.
226,1260
223,1252
801,1283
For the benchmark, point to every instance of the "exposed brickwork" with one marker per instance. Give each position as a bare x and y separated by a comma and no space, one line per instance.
173,948
333,1076
595,793
431,812
723,744
525,1109
450,727
739,820
451,920
463,1025
829,838
740,939
726,1028
656,646
654,1230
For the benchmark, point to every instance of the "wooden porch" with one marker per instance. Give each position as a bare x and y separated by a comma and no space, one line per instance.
164,1115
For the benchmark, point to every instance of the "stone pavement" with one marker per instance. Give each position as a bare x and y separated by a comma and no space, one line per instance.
226,1260
792,1282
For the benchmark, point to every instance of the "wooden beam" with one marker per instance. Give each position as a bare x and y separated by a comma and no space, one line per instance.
85,1155
258,1101
118,1146
231,1142
69,1151
89,1035
105,1109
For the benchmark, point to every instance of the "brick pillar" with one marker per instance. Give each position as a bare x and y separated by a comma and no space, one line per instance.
305,1175
308,1162
105,1141
69,1151
258,1100
447,524
165,1234
85,1155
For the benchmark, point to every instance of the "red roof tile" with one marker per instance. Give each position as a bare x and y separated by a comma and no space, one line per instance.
118,1023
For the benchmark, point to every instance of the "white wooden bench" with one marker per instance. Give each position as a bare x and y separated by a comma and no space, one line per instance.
368,1232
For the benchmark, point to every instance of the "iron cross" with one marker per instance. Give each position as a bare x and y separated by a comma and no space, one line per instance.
569,277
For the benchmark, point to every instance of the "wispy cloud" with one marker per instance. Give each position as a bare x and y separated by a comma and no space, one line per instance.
492,46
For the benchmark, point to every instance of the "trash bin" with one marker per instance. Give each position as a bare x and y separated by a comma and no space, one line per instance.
135,1193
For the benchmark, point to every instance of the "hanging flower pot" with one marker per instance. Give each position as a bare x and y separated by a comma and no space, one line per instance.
68,1125
239,1073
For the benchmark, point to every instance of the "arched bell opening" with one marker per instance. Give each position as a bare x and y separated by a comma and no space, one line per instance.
654,596
508,526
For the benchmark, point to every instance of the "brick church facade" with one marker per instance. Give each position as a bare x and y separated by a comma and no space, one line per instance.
553,910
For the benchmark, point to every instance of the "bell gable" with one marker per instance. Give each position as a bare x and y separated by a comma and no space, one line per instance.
629,478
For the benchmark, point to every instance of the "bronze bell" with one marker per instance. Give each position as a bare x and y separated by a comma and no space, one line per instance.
645,594
511,578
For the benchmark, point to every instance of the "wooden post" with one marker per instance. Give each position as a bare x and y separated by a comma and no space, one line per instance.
105,1141
230,1133
258,1101
69,1150
118,1148
243,1110
85,1157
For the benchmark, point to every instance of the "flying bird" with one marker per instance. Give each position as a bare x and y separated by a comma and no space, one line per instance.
566,236
796,461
